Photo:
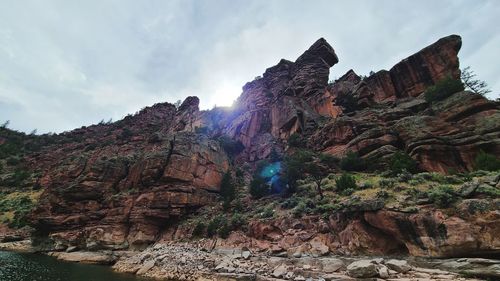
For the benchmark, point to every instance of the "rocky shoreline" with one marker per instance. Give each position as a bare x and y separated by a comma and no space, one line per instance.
193,261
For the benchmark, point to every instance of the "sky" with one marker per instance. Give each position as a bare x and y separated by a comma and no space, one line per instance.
65,64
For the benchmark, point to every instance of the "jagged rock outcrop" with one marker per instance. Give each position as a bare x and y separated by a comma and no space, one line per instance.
287,99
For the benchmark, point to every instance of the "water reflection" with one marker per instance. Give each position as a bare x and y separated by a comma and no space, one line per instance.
33,267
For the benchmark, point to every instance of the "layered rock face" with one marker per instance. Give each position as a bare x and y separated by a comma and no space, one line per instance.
388,113
374,116
288,98
123,184
411,76
118,185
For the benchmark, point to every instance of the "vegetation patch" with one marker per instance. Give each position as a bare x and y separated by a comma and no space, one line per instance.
15,208
443,89
443,196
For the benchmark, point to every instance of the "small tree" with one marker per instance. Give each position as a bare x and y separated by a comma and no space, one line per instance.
294,168
177,104
316,172
227,190
5,124
487,162
471,83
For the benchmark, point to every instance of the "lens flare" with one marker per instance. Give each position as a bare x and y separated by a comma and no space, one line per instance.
271,173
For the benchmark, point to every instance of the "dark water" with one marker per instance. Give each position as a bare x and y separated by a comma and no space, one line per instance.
34,267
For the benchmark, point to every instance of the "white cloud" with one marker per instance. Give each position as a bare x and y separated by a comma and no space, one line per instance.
64,64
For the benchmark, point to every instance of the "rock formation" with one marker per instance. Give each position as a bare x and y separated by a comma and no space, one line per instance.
123,184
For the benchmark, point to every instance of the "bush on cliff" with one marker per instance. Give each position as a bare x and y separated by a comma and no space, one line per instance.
20,206
258,187
198,230
442,196
443,89
487,162
346,184
352,162
227,190
214,225
329,160
401,162
296,140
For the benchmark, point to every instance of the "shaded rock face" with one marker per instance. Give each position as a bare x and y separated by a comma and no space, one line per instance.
124,192
442,137
411,76
431,233
289,97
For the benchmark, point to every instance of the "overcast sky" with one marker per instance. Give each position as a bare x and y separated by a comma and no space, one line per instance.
64,64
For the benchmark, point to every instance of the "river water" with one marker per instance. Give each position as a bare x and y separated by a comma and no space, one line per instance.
35,267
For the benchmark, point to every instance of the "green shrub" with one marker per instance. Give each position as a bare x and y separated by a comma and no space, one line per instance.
18,178
238,220
487,162
327,208
290,203
387,183
443,89
296,140
224,230
442,196
346,183
258,187
125,134
214,225
487,190
21,206
382,194
199,228
239,173
227,190
478,207
401,162
267,212
404,176
452,180
347,191
352,162
329,160
12,161
301,209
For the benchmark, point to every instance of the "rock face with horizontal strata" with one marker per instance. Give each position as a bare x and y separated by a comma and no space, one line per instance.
123,193
122,184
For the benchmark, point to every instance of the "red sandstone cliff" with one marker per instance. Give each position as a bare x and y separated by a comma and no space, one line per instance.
120,185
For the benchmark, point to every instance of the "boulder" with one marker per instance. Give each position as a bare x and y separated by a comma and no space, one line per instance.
400,266
362,269
280,271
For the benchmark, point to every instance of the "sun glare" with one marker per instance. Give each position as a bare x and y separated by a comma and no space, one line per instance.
226,94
